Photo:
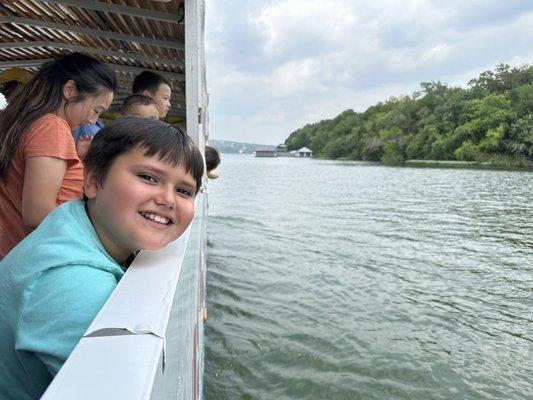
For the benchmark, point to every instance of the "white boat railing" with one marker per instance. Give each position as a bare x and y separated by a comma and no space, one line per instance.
146,342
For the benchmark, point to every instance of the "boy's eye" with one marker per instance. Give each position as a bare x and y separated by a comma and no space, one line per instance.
148,178
185,192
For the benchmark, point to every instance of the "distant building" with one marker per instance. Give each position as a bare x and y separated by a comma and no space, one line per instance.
304,152
282,151
266,152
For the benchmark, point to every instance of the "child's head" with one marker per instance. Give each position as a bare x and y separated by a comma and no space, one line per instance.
212,160
76,87
155,86
12,79
141,177
139,105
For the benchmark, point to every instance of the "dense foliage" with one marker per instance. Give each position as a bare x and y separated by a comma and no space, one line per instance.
491,118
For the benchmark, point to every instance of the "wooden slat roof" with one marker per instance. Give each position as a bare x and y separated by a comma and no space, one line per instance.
130,35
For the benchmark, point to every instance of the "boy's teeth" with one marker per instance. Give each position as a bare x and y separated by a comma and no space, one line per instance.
156,218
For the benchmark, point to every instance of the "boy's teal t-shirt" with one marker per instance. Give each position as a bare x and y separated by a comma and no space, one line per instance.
52,285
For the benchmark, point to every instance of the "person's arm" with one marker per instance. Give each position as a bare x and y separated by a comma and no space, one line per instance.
62,304
42,180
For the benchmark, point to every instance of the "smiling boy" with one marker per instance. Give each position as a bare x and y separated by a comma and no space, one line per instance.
140,182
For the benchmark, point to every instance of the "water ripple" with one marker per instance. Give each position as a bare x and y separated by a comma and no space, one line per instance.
342,280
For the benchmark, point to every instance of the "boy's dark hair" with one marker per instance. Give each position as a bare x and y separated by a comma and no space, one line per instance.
148,80
135,99
212,158
156,138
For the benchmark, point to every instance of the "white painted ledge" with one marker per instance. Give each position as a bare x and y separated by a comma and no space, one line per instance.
142,301
110,368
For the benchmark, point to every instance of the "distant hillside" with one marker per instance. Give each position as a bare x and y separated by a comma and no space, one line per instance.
228,147
489,121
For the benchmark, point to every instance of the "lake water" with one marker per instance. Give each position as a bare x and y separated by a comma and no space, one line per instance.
346,280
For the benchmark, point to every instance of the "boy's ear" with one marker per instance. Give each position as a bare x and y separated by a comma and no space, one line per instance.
90,184
69,89
147,93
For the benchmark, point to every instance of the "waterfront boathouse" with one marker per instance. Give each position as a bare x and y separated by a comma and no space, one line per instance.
282,151
266,152
304,152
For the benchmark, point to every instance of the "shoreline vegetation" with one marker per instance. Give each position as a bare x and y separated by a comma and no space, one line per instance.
489,124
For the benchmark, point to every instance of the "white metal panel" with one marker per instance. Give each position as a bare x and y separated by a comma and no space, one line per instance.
109,368
142,300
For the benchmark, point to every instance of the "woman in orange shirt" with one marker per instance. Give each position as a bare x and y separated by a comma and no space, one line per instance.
39,167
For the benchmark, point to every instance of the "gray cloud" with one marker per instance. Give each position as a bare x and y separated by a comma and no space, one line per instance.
274,66
475,14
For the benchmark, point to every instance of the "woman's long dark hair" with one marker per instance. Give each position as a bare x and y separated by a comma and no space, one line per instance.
44,94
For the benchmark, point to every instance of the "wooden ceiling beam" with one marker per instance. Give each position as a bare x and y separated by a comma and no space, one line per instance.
117,67
119,9
91,32
91,50
23,63
138,70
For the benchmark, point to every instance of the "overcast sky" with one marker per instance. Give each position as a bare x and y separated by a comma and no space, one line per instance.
276,65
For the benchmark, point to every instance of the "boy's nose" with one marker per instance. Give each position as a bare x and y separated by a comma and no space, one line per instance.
166,197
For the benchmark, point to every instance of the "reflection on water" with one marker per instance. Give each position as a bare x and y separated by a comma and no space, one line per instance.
344,280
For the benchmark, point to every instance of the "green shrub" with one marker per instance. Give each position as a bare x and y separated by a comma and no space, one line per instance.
467,152
393,154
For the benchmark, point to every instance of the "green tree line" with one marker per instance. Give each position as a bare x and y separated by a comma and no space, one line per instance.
490,119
